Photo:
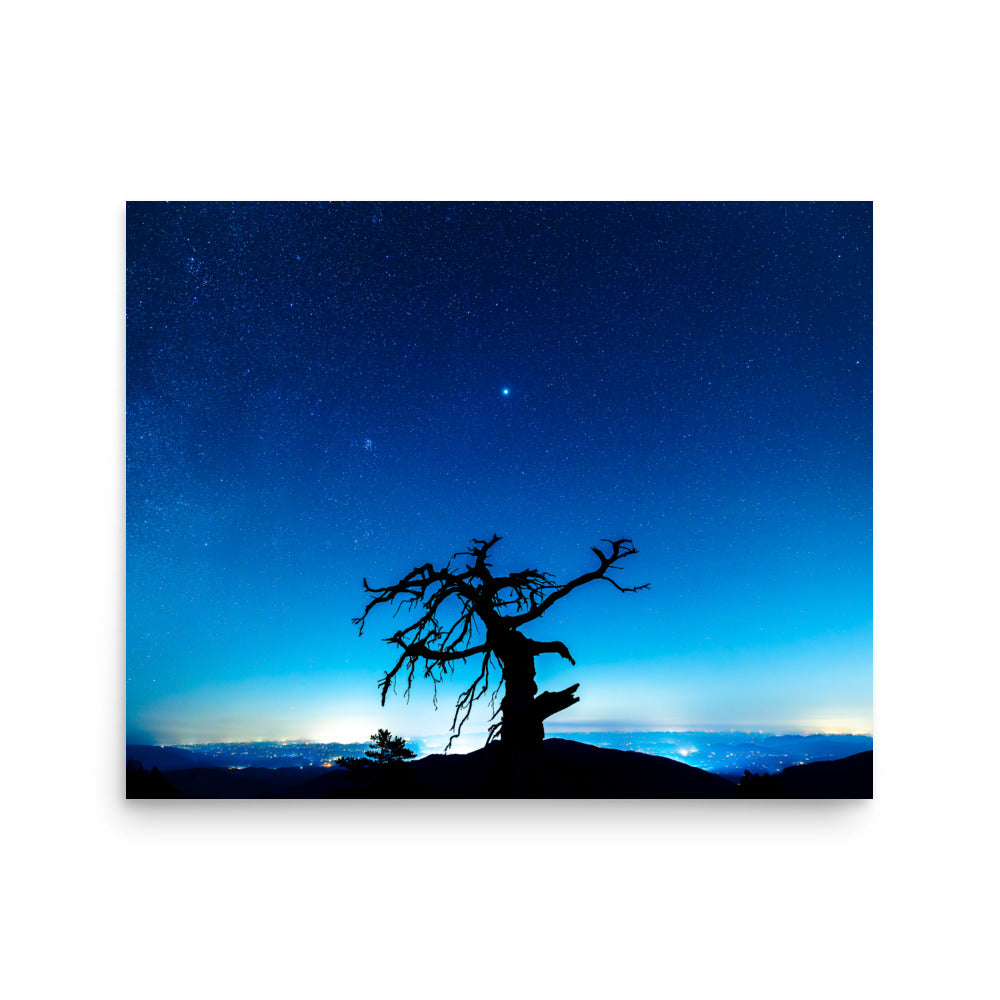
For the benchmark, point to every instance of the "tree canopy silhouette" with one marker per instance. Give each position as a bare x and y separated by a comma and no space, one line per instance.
469,613
384,750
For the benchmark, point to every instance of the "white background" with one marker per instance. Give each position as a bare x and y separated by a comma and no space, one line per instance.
110,102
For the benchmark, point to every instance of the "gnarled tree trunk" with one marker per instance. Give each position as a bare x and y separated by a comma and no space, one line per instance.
522,728
523,710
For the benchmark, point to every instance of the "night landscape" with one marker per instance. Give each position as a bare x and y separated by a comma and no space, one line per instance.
516,500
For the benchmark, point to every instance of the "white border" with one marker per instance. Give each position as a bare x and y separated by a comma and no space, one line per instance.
110,102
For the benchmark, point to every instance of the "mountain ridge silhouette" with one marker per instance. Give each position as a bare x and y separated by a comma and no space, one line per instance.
563,769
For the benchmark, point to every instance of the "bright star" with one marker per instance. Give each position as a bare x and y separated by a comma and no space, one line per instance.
506,392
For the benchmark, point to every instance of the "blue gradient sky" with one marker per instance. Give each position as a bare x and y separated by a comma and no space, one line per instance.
315,394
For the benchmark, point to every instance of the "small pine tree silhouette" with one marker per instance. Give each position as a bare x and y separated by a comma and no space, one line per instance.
387,749
383,751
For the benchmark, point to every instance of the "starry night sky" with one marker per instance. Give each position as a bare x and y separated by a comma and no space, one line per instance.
322,392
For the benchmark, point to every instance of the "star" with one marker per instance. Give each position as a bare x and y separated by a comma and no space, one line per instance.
505,391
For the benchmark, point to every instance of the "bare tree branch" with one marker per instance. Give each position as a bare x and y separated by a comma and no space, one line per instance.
467,698
552,647
621,548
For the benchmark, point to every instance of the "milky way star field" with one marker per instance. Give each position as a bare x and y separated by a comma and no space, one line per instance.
319,393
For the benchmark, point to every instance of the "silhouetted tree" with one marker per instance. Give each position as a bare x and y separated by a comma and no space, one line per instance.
760,786
143,784
383,751
457,606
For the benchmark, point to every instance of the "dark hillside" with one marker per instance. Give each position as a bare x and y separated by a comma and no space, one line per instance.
564,769
847,778
247,782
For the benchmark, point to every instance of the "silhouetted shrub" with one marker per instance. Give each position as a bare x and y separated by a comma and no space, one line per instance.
143,784
760,786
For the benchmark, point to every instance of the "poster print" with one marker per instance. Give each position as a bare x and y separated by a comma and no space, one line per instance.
471,500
